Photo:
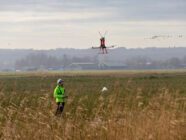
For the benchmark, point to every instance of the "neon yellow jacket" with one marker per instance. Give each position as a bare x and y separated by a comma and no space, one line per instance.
59,93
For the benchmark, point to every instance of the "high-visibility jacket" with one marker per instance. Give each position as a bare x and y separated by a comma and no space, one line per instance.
59,92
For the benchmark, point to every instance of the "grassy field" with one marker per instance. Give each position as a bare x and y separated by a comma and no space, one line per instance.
139,105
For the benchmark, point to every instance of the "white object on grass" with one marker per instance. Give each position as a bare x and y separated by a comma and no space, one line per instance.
104,89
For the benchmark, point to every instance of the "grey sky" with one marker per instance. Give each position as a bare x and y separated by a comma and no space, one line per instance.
47,24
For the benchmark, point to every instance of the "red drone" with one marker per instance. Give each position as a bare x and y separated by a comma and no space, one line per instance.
102,46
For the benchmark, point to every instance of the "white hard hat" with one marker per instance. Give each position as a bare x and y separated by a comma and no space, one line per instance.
59,81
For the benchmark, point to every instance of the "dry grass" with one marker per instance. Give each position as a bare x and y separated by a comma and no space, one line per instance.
140,106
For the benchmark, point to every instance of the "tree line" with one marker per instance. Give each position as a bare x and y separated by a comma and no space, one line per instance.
43,61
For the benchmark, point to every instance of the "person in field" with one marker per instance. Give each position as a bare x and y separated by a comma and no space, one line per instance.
59,95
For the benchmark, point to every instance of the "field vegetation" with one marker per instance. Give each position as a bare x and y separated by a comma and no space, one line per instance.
145,105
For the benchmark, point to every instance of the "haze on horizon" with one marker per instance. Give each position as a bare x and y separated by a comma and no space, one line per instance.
50,24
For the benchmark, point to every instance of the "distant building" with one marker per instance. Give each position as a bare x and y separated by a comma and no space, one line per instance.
113,66
82,66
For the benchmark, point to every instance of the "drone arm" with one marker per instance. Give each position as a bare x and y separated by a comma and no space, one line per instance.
111,46
95,47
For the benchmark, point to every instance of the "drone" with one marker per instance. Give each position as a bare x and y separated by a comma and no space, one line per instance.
103,47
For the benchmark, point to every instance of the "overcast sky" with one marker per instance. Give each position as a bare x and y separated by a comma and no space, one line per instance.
50,24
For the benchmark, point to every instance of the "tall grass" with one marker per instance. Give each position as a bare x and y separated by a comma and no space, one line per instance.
136,106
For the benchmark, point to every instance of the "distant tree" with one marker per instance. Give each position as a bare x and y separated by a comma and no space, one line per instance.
138,62
174,62
39,60
81,59
66,61
184,60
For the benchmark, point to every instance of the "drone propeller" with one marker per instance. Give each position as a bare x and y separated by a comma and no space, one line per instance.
111,46
95,47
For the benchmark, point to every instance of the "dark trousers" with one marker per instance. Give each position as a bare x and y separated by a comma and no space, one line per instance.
60,107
